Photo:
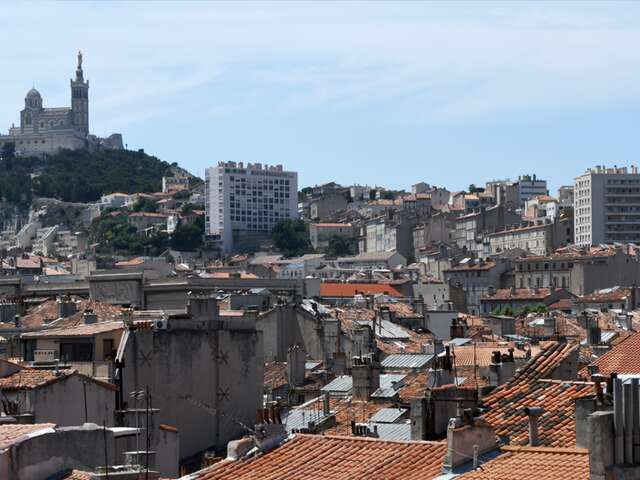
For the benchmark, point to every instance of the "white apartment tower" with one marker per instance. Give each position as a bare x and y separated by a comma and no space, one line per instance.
245,202
607,206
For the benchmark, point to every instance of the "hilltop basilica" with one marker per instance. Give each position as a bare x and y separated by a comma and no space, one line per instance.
46,130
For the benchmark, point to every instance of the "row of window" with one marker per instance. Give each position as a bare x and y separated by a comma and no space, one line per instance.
554,265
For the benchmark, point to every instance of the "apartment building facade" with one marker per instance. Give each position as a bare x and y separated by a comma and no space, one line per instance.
539,238
607,206
247,201
531,186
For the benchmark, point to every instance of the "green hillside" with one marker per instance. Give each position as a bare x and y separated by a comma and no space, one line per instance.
79,176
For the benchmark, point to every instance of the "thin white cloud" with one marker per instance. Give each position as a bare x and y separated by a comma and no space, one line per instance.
463,62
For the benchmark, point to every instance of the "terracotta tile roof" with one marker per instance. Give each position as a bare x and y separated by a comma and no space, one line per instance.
227,275
30,262
557,425
315,457
351,289
480,354
81,330
572,253
131,262
400,310
415,386
543,364
78,475
10,434
520,463
519,294
275,375
32,378
148,215
48,310
614,294
565,304
529,388
624,358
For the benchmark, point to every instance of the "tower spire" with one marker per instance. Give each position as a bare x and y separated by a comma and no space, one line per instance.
79,73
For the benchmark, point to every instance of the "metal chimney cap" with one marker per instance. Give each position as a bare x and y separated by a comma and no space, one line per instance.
533,411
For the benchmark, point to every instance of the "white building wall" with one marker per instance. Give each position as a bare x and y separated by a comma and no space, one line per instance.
248,200
607,206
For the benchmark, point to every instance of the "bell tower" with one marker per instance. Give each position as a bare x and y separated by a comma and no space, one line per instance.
80,100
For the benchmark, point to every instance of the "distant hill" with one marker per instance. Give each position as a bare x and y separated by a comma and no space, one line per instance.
80,176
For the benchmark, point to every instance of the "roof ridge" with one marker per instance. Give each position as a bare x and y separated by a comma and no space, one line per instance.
369,439
561,450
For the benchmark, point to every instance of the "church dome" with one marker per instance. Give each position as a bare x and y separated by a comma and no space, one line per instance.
33,93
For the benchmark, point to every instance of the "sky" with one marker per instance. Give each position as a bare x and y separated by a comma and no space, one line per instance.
377,93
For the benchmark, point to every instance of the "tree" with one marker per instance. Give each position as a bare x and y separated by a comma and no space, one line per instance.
8,151
387,195
187,208
181,194
145,205
338,246
290,237
187,237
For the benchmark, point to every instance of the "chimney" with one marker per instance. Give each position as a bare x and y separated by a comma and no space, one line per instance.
458,328
446,361
476,437
594,334
66,307
366,377
89,317
339,363
202,306
384,314
326,410
418,414
533,413
296,359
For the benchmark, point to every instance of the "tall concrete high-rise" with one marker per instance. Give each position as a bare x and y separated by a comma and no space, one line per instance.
607,206
244,203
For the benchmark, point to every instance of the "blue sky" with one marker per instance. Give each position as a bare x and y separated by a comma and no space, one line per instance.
373,93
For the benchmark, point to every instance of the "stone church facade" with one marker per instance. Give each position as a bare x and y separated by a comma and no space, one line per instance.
47,130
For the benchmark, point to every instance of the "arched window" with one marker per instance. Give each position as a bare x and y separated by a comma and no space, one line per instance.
41,124
28,119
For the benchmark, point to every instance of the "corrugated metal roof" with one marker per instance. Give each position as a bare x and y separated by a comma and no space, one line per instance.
390,383
392,431
388,415
297,419
605,337
341,384
312,365
406,361
387,330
